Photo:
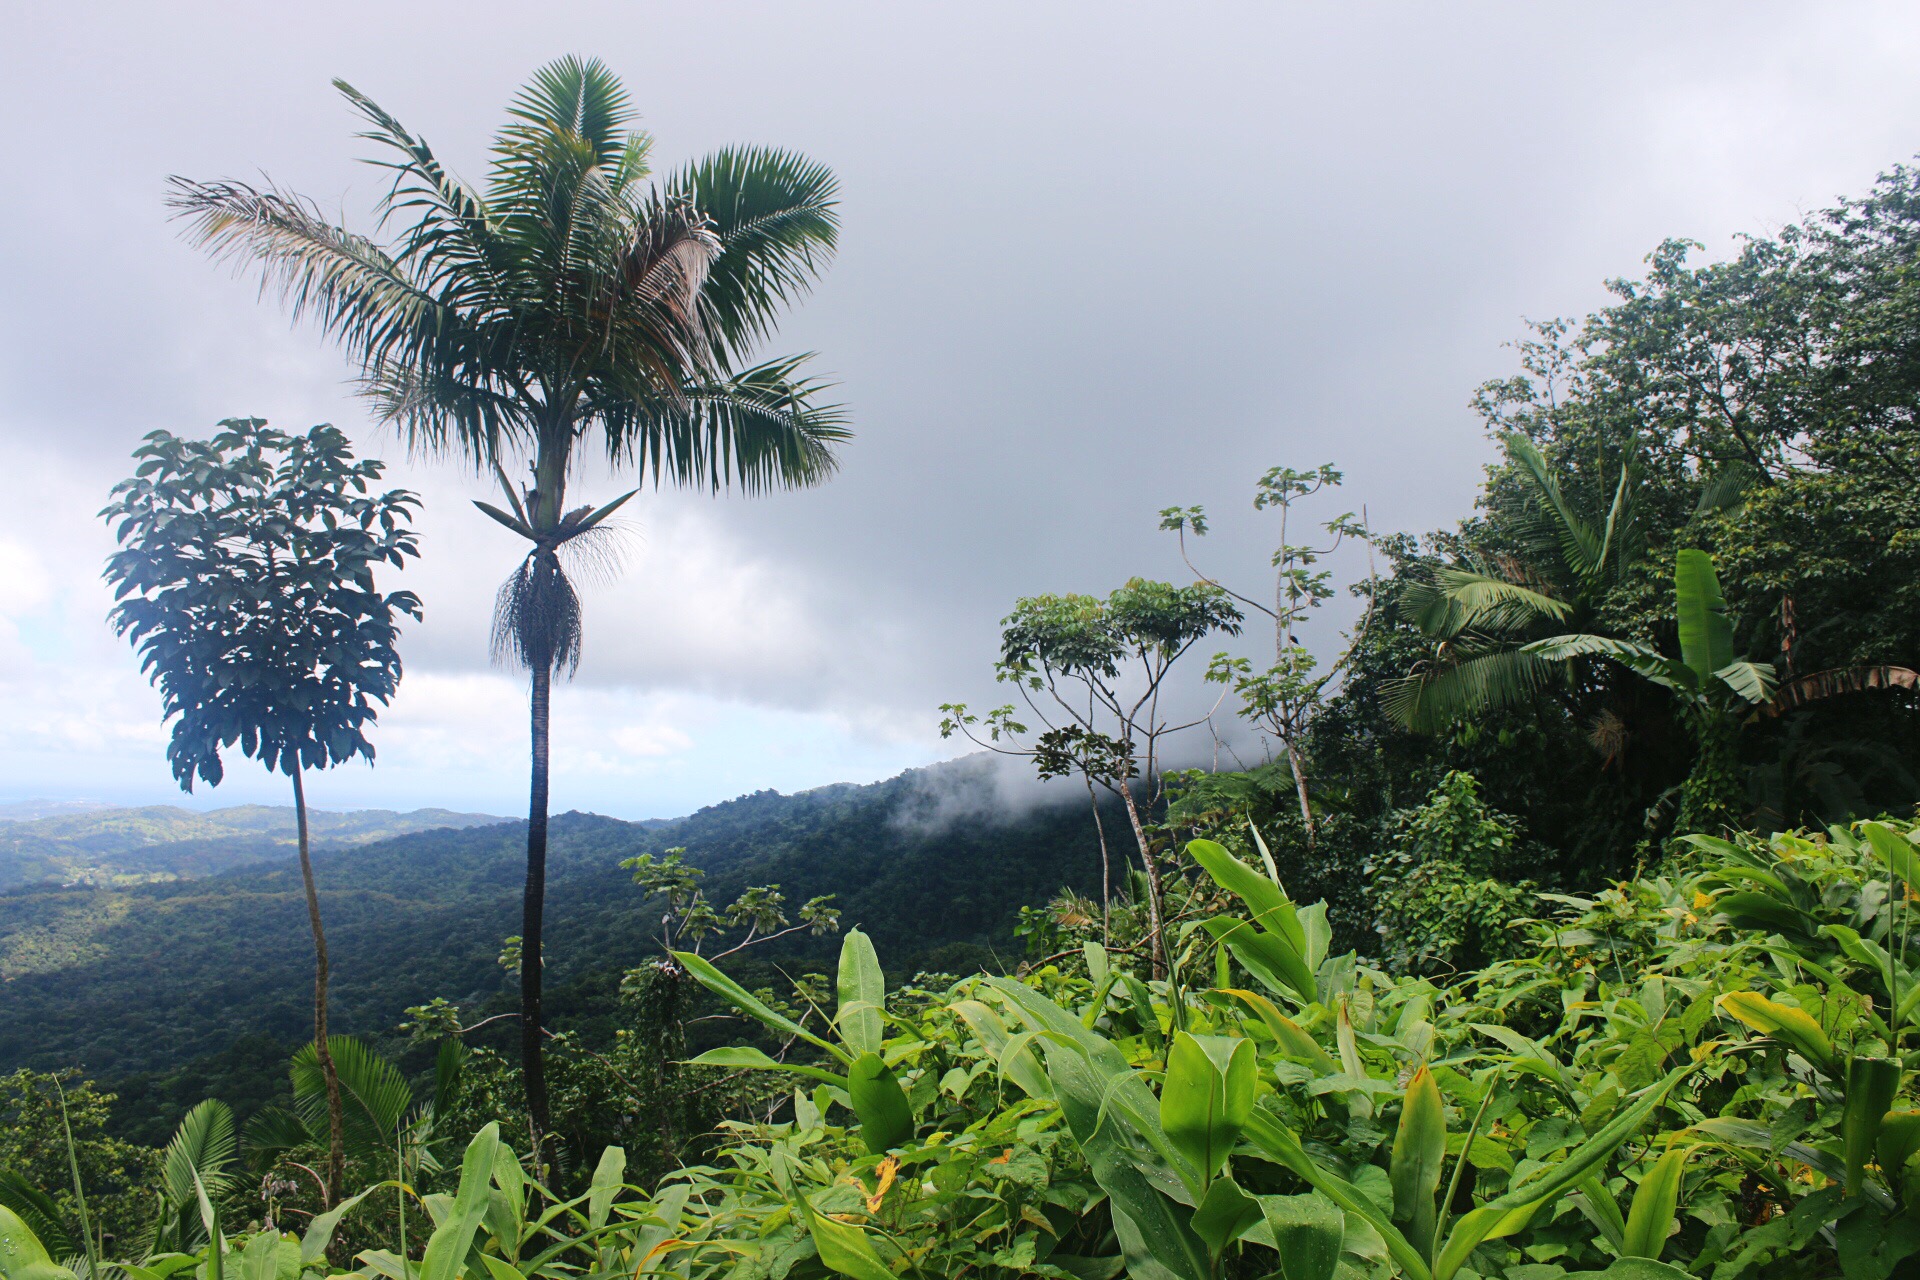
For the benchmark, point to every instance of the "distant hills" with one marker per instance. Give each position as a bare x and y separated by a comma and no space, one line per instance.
123,977
73,843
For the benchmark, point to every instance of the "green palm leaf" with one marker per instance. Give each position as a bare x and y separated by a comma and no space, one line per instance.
1430,701
1642,660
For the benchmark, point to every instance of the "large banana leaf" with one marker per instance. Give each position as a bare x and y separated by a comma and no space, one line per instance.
1706,634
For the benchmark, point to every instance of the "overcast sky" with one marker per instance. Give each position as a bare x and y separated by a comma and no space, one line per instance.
1097,259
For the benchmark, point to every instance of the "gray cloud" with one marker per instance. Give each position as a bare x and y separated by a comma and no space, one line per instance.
1098,260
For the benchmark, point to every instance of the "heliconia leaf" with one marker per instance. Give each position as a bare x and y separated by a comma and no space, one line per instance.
1511,1210
1207,1097
1307,1231
1789,1025
22,1256
1288,1034
1419,1151
863,994
447,1247
1706,634
1271,909
736,995
1651,1215
1267,956
1896,851
1899,1139
1872,1085
739,1056
1224,1214
1277,1141
844,1248
886,1119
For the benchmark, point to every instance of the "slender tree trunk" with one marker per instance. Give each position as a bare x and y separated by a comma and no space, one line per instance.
1106,869
336,1118
1300,787
1153,881
532,909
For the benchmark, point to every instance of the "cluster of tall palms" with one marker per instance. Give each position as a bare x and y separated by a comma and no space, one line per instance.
572,306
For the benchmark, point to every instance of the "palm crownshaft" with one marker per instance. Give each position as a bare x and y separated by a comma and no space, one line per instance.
571,303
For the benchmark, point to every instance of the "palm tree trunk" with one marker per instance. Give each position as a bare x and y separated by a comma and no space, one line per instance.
1153,881
532,909
336,1117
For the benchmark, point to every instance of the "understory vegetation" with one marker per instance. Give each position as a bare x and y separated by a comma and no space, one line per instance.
1555,918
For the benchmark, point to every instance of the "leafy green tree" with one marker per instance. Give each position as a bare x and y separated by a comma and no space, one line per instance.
37,1113
1094,674
1282,699
570,307
245,579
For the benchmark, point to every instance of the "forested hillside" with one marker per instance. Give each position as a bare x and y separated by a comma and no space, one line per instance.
112,846
147,978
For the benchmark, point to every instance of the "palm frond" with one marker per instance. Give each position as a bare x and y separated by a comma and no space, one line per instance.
761,429
374,1094
37,1209
1580,546
1433,700
1642,660
1489,603
775,214
201,1148
272,1130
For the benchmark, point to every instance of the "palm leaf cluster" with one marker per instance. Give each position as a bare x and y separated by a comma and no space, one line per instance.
571,296
1480,618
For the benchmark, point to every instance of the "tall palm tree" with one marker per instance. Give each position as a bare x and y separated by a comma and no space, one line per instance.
570,304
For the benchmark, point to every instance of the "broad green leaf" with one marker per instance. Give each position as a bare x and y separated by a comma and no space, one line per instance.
1507,1212
608,1177
1899,1140
886,1120
1750,681
739,1056
1114,1117
1307,1231
844,1248
1288,1034
447,1247
1271,909
1267,956
863,995
1643,1269
22,1257
319,1233
1020,1065
1097,965
736,995
1419,1151
1207,1097
1224,1214
1271,1136
1651,1215
1872,1085
1896,851
1706,634
1784,1023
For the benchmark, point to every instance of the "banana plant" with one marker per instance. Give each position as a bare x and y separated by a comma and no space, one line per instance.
1710,681
867,1081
